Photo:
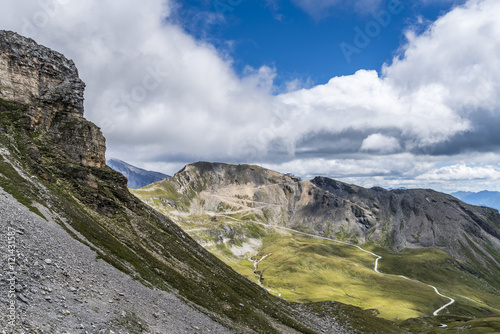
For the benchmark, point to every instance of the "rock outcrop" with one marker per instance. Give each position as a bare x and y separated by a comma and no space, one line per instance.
49,84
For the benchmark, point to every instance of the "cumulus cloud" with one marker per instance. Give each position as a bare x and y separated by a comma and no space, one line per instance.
402,165
455,55
462,172
404,170
366,103
155,90
164,98
439,97
442,90
380,143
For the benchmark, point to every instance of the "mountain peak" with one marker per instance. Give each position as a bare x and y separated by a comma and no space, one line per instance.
137,177
397,219
216,174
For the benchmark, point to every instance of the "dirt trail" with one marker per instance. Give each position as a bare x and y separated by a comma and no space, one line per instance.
378,257
256,266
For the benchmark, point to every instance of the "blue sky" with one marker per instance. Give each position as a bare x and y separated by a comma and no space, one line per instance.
305,45
174,82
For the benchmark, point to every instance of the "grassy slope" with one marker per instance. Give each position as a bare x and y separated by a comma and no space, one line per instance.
454,324
306,269
126,233
474,296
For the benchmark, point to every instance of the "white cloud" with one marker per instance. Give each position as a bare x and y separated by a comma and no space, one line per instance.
456,55
380,143
462,172
262,77
403,164
164,98
403,170
150,86
366,103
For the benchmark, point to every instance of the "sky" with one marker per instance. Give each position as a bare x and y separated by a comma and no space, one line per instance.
371,92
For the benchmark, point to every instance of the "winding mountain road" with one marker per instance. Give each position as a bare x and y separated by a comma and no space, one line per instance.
445,306
375,268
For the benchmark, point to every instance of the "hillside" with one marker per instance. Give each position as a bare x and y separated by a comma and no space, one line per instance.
241,212
92,257
136,177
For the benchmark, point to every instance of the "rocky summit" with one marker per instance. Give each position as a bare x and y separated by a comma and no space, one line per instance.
80,254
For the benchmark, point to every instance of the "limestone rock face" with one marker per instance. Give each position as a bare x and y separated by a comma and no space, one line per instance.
49,84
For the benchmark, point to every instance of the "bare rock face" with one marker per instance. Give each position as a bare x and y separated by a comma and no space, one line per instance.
49,84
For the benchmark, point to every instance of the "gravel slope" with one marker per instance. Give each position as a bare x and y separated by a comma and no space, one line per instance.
60,287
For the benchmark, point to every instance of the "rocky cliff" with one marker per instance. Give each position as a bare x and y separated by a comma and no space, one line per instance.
48,83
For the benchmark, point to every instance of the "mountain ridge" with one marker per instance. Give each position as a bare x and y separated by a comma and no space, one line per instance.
332,191
136,177
482,198
299,239
395,219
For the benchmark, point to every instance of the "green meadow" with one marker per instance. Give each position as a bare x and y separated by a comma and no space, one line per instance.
305,269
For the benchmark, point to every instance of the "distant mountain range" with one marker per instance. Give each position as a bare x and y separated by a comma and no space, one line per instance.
483,198
137,177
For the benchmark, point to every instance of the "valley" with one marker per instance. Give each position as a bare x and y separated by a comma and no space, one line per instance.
243,222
